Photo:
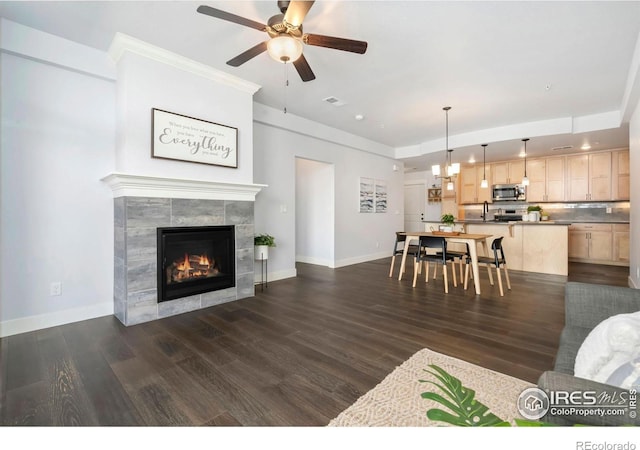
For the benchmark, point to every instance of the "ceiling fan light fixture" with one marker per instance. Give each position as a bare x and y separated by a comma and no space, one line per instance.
284,48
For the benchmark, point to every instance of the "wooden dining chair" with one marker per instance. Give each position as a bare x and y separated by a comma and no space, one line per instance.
498,261
440,257
399,249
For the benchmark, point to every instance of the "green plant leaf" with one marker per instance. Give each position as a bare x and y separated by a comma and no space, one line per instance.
467,411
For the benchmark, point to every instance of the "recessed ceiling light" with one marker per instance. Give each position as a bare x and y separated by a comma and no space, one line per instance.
359,117
585,147
472,160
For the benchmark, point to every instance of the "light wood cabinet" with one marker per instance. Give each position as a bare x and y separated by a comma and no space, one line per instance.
620,175
537,174
470,180
591,242
546,179
589,177
621,243
507,172
555,179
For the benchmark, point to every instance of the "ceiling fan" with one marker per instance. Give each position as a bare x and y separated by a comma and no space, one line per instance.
286,36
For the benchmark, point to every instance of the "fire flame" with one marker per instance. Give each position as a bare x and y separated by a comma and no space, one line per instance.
204,261
185,264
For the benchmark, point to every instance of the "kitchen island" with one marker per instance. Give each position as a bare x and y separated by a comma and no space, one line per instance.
541,247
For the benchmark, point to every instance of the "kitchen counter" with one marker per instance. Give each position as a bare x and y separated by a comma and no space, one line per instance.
541,247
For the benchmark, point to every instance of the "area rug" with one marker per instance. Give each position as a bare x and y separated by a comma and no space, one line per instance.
397,401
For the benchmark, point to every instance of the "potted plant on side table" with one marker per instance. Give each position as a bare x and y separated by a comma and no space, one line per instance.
261,243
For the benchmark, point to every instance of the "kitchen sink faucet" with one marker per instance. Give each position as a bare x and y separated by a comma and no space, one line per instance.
485,210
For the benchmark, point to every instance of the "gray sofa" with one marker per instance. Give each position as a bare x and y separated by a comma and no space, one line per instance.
586,305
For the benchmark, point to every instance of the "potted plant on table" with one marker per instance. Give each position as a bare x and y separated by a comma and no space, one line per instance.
261,243
447,220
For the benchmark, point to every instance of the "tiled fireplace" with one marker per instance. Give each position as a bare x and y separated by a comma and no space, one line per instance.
137,219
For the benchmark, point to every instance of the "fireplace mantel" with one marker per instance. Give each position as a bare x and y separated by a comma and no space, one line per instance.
128,185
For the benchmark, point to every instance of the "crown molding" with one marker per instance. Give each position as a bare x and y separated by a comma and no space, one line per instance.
128,185
124,43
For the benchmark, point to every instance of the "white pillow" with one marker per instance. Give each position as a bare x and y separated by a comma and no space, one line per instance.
610,345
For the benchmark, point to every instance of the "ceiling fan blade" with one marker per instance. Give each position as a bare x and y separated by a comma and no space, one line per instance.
296,12
219,14
303,68
347,45
247,55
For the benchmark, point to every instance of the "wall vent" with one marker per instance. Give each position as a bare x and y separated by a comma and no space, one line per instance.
333,101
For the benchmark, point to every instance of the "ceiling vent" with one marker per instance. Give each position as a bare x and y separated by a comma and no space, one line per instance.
562,147
334,101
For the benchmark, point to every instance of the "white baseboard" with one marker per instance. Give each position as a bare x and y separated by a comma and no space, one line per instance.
361,259
341,262
279,275
313,260
41,321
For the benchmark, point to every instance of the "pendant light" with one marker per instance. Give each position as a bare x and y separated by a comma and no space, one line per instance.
484,183
525,179
451,169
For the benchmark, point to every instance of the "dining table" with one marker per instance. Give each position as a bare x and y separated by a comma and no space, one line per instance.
463,238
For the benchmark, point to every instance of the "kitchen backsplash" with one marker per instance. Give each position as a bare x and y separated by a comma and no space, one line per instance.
573,212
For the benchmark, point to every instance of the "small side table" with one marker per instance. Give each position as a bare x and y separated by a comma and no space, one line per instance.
264,266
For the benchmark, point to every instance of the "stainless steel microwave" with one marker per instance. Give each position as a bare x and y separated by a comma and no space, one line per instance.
509,192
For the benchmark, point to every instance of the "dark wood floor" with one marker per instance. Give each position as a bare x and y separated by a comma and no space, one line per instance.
296,354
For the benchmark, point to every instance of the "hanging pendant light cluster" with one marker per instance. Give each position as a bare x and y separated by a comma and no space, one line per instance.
484,183
525,179
451,169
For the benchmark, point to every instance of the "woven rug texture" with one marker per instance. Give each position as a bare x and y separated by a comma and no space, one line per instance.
397,401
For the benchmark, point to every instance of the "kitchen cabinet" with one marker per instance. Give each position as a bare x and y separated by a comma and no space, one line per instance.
621,243
537,174
620,175
546,179
589,177
470,180
508,172
555,179
591,242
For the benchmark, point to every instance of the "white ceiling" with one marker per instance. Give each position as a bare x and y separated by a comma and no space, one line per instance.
505,67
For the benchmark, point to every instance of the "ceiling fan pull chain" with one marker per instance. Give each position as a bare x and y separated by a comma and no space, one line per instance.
286,85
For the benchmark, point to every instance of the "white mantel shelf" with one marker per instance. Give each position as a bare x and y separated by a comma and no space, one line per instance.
128,185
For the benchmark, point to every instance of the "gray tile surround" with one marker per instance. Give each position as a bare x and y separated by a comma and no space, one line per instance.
135,259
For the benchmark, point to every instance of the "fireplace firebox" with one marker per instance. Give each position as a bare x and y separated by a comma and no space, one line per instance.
194,260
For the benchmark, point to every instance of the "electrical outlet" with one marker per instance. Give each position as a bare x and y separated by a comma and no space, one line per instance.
608,210
377,244
55,288
637,272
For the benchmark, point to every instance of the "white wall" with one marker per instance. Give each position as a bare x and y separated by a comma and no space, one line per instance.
145,82
358,237
58,140
634,161
315,205
60,106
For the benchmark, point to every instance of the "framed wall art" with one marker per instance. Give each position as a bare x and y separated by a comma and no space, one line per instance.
380,194
184,138
366,195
